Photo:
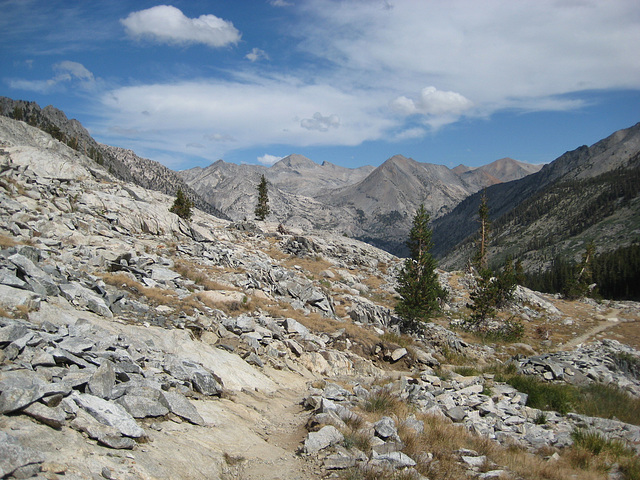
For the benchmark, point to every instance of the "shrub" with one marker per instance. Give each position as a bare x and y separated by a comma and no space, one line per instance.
182,205
380,401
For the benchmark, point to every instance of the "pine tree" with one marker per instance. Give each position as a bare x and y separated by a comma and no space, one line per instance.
262,208
182,205
480,260
418,284
578,286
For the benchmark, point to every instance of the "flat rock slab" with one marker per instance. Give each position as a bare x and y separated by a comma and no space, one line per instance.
53,416
14,456
109,413
20,388
323,438
13,297
181,406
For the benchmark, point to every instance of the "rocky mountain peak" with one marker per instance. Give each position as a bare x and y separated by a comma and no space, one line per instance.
294,162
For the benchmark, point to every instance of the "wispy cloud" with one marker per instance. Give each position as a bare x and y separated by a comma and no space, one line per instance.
167,24
320,123
246,113
65,72
256,54
267,159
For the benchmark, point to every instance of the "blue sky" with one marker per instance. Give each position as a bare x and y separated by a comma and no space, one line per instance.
351,82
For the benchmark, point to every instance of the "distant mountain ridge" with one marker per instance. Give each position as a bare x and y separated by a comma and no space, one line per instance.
375,204
371,204
588,194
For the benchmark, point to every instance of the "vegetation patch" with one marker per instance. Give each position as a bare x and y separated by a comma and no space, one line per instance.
595,400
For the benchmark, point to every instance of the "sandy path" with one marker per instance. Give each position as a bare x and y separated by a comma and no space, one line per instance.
608,321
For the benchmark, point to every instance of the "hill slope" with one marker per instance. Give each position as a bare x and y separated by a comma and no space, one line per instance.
590,193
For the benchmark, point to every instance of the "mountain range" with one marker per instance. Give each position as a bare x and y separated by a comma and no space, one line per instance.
538,212
372,204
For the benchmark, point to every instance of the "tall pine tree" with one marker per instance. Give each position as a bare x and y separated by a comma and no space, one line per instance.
262,208
418,284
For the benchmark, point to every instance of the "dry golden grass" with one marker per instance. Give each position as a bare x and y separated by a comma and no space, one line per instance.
442,438
6,241
310,265
202,275
155,295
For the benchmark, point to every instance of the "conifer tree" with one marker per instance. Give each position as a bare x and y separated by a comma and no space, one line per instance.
262,208
480,260
578,286
418,284
182,205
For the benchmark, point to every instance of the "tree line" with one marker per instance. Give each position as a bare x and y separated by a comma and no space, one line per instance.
616,275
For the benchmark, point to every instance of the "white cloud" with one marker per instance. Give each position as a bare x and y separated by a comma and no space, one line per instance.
68,69
498,54
320,123
267,159
167,24
244,113
65,71
218,137
256,54
368,67
432,101
411,134
280,3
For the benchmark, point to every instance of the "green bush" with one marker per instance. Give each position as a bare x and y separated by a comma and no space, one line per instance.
545,396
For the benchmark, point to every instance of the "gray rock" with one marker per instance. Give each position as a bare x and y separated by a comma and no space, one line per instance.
179,405
105,434
76,345
323,438
53,416
109,413
27,267
14,456
474,461
20,388
12,332
140,406
61,356
398,353
205,383
334,392
457,414
293,326
43,359
329,418
253,359
393,460
385,427
14,297
83,297
340,461
103,380
414,424
163,274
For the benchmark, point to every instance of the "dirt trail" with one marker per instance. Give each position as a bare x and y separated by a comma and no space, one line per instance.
262,432
608,321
